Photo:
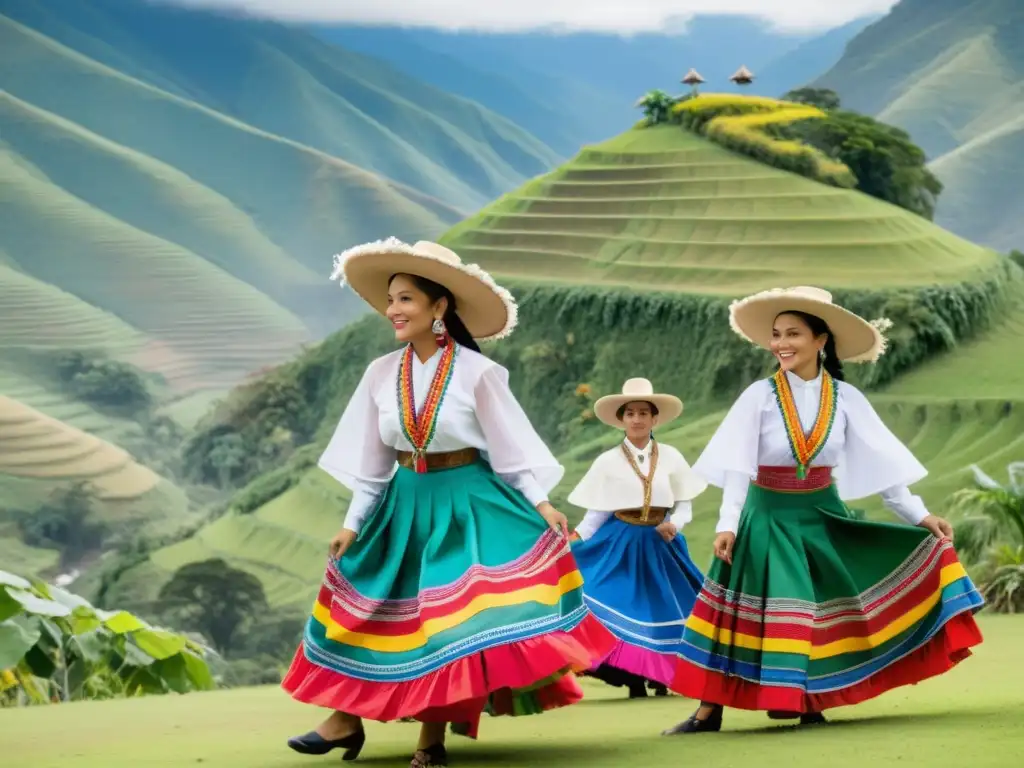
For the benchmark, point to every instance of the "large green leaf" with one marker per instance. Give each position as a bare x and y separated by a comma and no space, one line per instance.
136,657
40,606
8,605
198,671
121,622
10,580
173,672
84,619
159,643
90,646
16,639
67,599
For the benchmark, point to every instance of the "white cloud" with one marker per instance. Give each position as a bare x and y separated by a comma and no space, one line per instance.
623,16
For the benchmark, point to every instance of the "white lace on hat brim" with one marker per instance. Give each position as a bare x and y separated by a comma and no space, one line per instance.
857,340
488,310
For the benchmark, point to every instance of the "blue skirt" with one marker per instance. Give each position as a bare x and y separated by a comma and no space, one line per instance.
642,589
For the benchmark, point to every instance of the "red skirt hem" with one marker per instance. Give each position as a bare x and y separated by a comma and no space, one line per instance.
459,691
939,655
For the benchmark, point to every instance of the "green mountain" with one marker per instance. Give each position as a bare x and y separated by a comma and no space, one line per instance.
952,74
172,186
624,260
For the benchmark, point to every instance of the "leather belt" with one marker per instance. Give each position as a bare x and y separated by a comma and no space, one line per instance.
656,516
437,461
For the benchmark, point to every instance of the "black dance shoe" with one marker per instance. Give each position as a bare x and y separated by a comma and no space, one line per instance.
313,743
711,724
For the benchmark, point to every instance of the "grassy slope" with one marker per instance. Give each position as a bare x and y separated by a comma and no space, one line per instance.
936,723
951,74
283,542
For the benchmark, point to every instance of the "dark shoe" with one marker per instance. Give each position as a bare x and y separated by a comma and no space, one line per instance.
711,724
431,756
313,743
638,691
659,690
812,718
782,714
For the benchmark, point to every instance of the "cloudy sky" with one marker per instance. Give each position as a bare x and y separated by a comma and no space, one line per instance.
514,15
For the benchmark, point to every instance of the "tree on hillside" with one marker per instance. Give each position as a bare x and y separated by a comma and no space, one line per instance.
887,163
64,522
822,98
215,599
992,535
657,106
227,456
104,382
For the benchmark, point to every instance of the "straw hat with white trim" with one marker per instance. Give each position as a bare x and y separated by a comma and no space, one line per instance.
857,340
637,391
486,309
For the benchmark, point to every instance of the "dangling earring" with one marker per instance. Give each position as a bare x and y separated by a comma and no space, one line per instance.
440,332
821,354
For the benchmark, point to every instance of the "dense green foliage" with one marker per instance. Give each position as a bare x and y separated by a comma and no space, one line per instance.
822,98
215,599
55,646
65,522
885,160
878,159
991,536
107,383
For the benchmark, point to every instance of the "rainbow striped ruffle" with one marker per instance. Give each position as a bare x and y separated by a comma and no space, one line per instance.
789,627
440,611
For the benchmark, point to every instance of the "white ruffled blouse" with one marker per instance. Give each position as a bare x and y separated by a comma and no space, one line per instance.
611,485
479,411
866,457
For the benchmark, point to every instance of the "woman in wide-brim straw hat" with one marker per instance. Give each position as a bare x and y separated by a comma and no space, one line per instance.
451,586
805,607
639,580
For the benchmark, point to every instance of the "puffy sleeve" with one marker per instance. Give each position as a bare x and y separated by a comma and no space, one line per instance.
356,456
594,490
875,461
733,447
513,445
686,483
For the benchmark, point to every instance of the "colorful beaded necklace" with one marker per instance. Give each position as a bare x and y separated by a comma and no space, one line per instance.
647,480
419,428
806,447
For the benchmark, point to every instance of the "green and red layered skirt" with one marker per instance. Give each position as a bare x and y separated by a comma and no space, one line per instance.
820,610
457,597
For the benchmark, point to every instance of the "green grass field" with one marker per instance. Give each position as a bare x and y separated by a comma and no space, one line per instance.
973,715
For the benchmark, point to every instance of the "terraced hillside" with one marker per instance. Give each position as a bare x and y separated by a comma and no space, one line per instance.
642,241
663,209
38,453
172,182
